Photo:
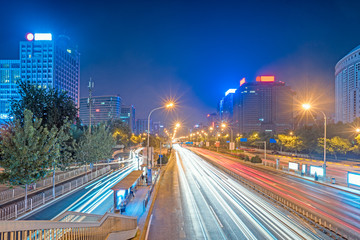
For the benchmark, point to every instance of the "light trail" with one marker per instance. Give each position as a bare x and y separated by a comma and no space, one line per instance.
331,203
99,193
238,212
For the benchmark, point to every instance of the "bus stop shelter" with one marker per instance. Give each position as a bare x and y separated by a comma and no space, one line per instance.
123,188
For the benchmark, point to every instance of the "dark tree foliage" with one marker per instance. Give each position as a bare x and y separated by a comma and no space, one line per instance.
54,107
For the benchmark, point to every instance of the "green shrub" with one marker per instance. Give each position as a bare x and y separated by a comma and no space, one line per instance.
246,158
256,159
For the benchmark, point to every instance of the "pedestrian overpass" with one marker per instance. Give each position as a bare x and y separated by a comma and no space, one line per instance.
72,225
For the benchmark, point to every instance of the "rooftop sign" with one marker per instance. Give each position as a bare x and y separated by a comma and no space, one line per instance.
265,79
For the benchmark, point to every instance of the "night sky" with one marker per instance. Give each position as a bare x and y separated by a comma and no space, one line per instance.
194,51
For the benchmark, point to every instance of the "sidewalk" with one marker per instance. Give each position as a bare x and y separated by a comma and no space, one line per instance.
135,208
167,220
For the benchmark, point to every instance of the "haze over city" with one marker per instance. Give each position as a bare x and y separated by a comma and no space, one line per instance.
172,120
193,50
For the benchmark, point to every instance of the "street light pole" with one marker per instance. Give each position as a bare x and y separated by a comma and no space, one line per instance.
324,166
149,163
307,106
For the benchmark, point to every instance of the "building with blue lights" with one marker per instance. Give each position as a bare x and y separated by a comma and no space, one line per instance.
9,76
225,107
128,116
45,62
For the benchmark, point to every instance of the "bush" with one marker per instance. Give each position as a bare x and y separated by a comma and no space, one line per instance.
164,160
246,158
256,159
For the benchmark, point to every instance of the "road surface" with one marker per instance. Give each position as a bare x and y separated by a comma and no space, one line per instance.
332,203
214,206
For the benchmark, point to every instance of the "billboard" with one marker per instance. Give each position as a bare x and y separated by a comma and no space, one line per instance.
319,170
293,166
265,79
353,178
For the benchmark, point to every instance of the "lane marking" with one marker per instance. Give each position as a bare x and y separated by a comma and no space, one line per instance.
147,231
217,219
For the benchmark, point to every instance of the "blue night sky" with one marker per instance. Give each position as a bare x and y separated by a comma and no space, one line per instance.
194,50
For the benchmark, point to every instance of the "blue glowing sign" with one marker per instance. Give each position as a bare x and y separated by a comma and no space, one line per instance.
272,140
243,139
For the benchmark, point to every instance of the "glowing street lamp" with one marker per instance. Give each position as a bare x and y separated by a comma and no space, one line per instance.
357,130
306,107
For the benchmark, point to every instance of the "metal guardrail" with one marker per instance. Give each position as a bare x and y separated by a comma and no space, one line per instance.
330,227
10,194
86,227
13,211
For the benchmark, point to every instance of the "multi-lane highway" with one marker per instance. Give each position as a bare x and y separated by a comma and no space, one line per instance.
334,204
96,198
217,207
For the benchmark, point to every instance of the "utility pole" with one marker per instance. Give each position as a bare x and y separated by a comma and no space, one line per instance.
90,101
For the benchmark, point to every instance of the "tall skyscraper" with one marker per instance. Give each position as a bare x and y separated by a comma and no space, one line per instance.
128,116
9,76
226,106
103,108
264,105
45,62
347,87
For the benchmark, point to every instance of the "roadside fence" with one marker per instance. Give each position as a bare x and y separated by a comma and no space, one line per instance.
13,211
16,192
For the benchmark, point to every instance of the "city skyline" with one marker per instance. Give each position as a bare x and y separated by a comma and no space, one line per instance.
156,48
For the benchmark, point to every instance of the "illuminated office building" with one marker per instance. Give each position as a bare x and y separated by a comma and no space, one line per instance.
347,87
44,62
264,106
103,108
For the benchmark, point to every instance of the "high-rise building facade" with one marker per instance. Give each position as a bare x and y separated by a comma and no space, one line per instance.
103,108
226,106
45,62
9,77
264,105
347,87
158,128
127,115
142,126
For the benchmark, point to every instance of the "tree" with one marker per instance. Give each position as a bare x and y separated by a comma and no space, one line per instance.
253,138
27,151
96,145
291,143
120,131
335,145
54,107
309,135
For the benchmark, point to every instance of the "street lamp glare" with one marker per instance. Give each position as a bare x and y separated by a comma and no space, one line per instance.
306,106
169,105
357,130
223,125
177,125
